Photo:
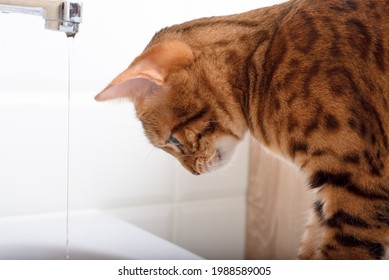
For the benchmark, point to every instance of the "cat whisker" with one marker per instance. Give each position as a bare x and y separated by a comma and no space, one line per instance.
182,156
163,146
211,158
152,149
137,144
219,164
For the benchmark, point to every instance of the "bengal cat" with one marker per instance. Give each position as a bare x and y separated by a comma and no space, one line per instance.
308,79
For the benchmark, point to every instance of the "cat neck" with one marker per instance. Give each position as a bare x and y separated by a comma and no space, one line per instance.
257,46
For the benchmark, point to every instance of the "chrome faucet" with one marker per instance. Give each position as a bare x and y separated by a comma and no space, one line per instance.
60,15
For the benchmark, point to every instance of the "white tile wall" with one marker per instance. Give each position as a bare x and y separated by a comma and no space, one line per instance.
213,229
112,165
157,219
32,153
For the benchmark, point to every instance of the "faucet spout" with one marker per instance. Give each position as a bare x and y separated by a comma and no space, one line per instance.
59,15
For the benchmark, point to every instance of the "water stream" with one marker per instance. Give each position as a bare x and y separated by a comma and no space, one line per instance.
70,59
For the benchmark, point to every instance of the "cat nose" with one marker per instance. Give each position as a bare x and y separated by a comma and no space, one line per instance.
194,172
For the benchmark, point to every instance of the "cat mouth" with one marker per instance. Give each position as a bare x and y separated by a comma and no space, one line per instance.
208,164
214,162
212,158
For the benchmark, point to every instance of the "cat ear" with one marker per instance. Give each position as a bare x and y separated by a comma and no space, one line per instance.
148,73
130,85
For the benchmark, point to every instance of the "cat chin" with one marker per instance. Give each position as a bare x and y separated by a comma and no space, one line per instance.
224,151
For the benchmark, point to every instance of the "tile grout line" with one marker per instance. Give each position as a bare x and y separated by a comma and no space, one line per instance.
175,206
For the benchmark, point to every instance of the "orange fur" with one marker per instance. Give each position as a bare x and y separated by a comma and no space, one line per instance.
308,79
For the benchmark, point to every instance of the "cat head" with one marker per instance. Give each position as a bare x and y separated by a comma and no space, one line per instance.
184,109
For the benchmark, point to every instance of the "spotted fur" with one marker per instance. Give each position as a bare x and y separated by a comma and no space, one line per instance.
308,79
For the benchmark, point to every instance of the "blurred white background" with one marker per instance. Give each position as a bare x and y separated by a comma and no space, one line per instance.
112,167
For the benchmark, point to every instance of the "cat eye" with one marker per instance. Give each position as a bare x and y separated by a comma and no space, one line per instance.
174,141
